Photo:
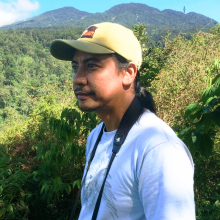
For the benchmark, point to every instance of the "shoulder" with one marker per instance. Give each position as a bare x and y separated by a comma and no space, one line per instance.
152,135
152,131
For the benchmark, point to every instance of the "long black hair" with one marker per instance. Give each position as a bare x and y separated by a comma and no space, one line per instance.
141,92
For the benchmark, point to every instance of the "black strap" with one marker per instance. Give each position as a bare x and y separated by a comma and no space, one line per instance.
130,117
83,181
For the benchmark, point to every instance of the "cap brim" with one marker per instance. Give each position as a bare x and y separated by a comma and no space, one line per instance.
64,49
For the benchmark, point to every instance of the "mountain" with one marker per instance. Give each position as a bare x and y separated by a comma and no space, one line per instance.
157,22
49,19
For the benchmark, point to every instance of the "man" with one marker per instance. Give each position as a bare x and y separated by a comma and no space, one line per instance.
151,176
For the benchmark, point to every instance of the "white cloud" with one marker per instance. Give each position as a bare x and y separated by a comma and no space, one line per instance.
26,5
16,10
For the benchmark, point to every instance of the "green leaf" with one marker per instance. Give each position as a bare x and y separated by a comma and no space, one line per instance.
216,197
67,188
59,158
183,132
22,203
206,94
206,145
22,193
43,187
196,138
217,204
58,180
48,200
74,150
216,78
208,207
207,108
217,83
205,123
10,208
77,183
216,117
2,211
191,109
215,91
198,114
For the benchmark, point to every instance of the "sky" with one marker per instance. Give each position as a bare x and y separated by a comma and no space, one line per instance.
16,10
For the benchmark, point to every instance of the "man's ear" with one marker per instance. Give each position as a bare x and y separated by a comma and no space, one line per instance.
129,74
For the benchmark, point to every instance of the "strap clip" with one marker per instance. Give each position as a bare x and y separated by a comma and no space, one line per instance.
118,141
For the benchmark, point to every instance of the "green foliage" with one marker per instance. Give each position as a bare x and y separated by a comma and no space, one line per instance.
21,158
207,186
216,29
200,132
26,65
62,157
14,196
183,75
152,57
203,118
140,34
42,149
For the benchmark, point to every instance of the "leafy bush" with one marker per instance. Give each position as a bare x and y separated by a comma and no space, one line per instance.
62,157
183,76
14,197
201,134
202,118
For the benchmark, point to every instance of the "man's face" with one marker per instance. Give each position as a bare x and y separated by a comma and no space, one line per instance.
97,82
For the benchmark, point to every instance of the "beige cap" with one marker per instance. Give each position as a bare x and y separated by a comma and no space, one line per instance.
103,38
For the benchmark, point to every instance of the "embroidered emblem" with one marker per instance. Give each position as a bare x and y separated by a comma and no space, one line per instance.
118,139
89,32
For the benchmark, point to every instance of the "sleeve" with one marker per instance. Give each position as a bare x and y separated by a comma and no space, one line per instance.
165,181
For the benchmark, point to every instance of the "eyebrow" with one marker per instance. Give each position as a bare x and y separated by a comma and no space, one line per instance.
95,59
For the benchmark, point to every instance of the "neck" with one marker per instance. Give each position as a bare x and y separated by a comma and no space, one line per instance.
113,117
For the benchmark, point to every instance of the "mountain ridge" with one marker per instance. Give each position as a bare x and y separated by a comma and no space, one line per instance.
127,14
156,22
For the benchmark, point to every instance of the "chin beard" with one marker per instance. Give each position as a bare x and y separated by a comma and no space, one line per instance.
90,109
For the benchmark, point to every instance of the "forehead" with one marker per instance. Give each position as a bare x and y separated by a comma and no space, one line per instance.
81,56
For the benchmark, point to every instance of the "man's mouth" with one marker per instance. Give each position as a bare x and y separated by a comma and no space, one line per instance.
81,95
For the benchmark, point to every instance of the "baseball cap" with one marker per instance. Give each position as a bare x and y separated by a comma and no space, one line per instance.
102,38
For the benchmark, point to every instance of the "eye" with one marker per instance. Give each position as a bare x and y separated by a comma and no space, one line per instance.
92,66
74,68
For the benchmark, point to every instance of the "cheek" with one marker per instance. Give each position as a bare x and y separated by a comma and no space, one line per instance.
106,83
109,87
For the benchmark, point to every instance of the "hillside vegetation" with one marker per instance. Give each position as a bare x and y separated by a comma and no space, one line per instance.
185,73
25,66
42,145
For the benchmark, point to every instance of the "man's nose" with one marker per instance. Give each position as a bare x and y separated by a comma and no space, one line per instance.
79,78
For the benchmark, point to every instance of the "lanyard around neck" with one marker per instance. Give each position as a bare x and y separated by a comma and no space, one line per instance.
130,117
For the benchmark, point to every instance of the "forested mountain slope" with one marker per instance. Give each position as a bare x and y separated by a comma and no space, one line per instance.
27,65
157,22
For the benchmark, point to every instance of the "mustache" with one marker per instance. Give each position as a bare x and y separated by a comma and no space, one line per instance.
80,89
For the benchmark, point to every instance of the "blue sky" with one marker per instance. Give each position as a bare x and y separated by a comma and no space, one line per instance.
15,10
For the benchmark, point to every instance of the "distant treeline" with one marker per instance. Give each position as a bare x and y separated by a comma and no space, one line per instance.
27,65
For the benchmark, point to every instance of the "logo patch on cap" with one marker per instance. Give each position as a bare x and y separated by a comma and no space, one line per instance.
89,32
